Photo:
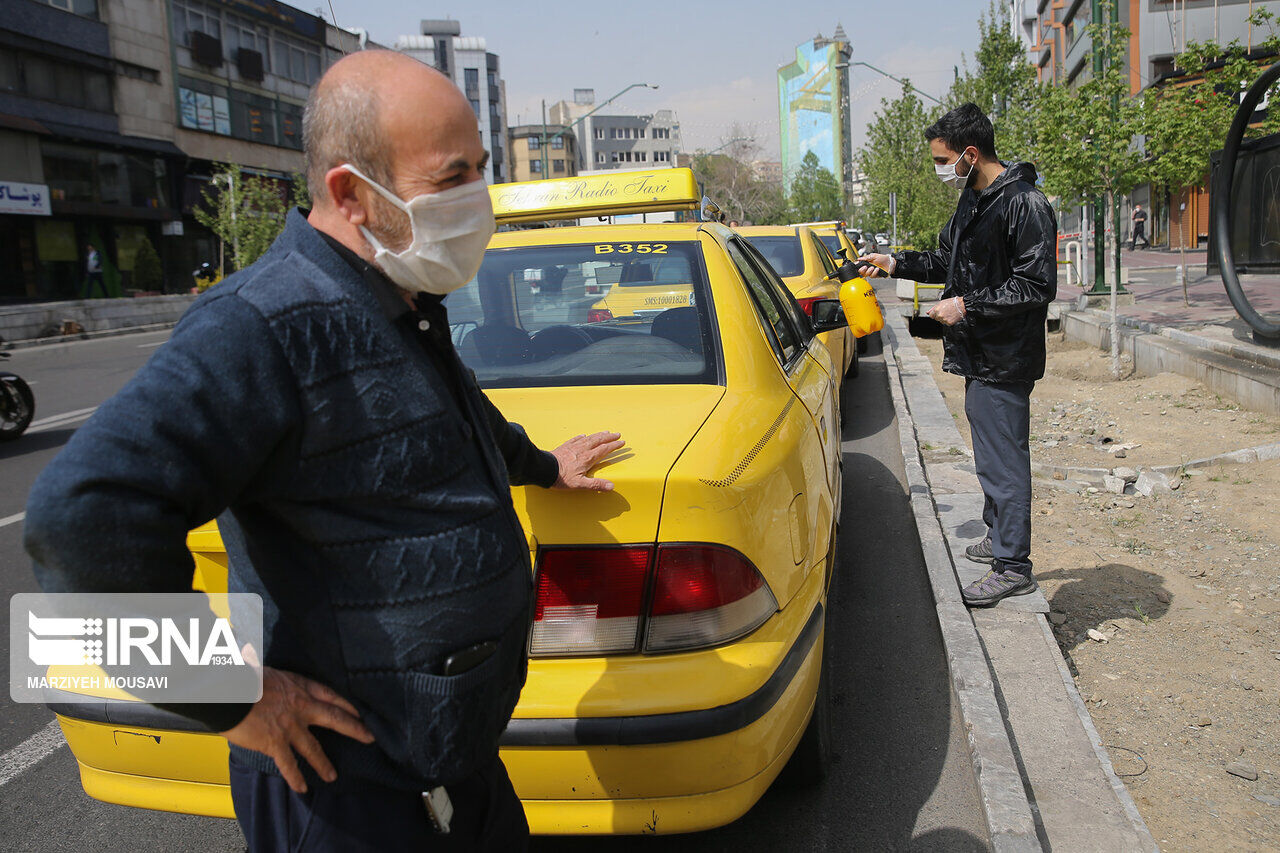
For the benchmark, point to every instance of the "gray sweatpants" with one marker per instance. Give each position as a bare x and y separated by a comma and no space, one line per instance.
999,416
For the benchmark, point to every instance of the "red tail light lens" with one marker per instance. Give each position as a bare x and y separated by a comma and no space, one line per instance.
589,600
598,315
806,304
705,595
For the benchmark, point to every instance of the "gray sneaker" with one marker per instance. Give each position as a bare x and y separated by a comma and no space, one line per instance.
981,553
996,585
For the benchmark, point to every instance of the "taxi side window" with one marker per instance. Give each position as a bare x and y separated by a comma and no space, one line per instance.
804,327
828,265
785,337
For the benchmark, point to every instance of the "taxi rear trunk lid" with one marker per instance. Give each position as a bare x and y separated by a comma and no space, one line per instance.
656,421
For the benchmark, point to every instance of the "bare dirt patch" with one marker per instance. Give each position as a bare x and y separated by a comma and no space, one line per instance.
1184,587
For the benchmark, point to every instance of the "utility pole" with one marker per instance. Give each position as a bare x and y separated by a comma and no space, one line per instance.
542,145
1099,205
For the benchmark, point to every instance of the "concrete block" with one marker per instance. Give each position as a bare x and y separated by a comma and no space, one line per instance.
1150,483
1113,484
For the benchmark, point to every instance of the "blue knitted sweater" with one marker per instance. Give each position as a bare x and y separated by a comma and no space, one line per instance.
365,503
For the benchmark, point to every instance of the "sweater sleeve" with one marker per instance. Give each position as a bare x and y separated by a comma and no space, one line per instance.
526,464
1030,235
179,443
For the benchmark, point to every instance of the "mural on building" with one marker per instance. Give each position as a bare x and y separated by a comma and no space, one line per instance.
809,109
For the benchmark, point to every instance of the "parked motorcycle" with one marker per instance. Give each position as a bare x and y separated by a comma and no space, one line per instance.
17,404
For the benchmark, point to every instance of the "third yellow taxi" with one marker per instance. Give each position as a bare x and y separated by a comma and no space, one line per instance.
807,268
676,655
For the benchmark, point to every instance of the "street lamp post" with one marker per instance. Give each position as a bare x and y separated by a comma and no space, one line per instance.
897,80
544,138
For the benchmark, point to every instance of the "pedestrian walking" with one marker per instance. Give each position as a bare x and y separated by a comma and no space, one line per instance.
997,259
93,272
315,405
1139,231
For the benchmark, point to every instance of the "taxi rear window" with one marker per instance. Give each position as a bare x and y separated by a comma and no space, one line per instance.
832,242
587,314
782,253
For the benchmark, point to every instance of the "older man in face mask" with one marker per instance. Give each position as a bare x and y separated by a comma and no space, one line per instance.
314,404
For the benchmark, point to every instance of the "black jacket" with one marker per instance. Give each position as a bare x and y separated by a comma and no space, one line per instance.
998,253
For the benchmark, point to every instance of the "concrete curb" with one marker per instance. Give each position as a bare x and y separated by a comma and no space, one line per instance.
1247,456
85,336
28,321
1263,357
1247,375
1006,809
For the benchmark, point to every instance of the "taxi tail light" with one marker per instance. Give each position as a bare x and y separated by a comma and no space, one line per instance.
589,600
806,304
704,595
598,315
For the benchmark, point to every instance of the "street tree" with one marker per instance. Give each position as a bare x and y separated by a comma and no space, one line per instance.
895,158
1086,140
246,212
814,193
1003,84
728,177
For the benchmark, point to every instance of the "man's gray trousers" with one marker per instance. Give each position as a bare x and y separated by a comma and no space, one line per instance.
999,416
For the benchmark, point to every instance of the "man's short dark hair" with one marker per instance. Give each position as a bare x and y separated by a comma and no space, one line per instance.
967,125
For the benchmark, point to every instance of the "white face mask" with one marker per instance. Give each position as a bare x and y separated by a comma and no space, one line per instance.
948,174
450,232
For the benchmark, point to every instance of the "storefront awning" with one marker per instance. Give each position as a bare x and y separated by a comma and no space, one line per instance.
115,140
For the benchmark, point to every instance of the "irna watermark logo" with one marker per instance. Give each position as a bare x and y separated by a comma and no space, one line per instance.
82,647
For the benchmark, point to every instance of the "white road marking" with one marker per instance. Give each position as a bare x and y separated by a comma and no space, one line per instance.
54,421
156,344
12,519
30,752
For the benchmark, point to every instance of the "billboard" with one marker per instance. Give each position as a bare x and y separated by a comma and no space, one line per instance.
809,109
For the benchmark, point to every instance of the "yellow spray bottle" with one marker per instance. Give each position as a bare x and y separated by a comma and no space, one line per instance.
858,298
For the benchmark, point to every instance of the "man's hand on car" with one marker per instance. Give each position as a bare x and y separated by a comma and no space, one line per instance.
279,724
580,454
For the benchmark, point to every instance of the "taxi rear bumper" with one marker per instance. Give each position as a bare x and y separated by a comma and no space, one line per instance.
671,772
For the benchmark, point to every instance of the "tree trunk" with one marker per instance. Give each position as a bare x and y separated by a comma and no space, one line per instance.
1183,249
1115,283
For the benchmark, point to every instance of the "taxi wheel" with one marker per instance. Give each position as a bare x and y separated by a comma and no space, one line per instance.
808,764
853,362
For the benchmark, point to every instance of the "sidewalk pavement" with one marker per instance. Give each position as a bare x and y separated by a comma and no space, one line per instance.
1044,778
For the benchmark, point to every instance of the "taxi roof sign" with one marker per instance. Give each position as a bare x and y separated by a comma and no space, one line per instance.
595,195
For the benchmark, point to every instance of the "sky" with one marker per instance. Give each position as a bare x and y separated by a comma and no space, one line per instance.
715,62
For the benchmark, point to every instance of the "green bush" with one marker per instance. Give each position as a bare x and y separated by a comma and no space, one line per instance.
148,274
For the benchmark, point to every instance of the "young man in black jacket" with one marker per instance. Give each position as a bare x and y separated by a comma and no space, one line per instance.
997,258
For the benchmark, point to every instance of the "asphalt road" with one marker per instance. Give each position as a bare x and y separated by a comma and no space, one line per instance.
900,779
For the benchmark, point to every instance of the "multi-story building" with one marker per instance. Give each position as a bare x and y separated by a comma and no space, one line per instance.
84,156
813,107
115,115
1058,43
539,152
608,142
467,62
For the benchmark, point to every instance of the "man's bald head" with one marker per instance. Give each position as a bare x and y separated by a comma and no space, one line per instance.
367,108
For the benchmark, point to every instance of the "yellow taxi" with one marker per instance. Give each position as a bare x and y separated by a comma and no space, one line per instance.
807,268
833,235
676,655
